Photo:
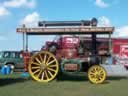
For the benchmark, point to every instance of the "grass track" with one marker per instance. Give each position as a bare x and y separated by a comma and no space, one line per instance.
68,85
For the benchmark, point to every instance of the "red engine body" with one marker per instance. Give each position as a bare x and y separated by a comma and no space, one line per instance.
66,47
69,48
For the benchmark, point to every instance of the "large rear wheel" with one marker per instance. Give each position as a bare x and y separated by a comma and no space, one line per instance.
43,66
97,74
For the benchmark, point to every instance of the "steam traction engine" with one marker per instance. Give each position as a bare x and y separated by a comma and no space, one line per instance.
69,53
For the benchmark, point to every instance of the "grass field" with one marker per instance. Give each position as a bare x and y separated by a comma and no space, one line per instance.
68,85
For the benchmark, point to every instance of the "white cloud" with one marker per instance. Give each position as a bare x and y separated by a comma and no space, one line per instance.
20,3
31,20
104,21
121,32
101,3
15,4
3,11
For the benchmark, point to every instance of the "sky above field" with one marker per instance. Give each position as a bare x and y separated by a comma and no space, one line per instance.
14,13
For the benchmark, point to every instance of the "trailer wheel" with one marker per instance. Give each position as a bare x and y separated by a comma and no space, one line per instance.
97,74
43,66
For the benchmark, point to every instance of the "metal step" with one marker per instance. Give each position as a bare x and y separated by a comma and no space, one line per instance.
115,70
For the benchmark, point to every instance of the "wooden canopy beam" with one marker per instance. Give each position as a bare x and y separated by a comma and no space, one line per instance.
67,30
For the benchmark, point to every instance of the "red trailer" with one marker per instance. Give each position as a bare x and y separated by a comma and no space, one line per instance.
120,51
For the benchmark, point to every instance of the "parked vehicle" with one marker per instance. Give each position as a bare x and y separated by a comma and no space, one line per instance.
11,58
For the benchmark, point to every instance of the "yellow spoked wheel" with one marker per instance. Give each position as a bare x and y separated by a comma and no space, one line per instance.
97,74
43,66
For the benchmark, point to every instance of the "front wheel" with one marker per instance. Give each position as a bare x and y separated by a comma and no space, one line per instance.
97,74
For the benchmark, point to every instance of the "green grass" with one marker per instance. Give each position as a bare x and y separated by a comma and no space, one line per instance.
68,85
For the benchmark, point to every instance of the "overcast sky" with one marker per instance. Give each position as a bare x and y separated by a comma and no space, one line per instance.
13,13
